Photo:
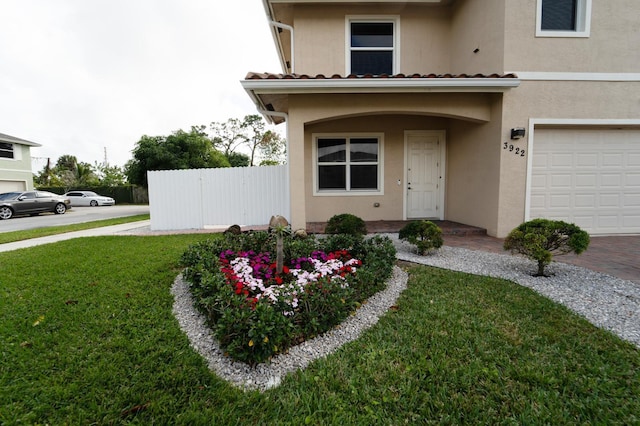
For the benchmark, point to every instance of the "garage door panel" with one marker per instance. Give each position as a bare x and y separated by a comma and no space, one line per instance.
611,221
562,160
613,160
590,177
12,185
609,200
587,160
632,180
631,200
560,181
632,221
586,181
584,200
559,200
611,180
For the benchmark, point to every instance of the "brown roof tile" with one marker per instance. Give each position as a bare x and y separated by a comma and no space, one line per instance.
272,76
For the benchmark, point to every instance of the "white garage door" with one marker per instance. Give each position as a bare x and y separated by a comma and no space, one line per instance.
590,177
10,186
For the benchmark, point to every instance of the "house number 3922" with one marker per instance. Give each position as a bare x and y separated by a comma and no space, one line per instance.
514,149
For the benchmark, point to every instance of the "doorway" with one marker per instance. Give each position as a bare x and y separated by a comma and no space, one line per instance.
424,174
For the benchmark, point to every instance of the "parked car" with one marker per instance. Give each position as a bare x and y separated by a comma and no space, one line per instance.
32,202
88,198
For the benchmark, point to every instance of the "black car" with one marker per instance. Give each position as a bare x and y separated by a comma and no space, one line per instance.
32,202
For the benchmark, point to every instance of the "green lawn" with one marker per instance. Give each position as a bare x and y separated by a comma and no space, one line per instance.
9,237
88,337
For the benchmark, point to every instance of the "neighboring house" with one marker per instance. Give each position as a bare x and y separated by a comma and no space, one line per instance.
483,112
15,164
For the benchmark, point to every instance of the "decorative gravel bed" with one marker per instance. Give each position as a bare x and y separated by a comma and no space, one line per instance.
608,302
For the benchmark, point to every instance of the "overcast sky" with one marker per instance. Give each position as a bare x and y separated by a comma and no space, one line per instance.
79,76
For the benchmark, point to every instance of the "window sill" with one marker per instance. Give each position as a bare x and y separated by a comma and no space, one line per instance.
561,34
371,193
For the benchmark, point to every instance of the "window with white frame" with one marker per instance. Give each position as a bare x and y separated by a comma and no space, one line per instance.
563,18
6,150
373,46
347,163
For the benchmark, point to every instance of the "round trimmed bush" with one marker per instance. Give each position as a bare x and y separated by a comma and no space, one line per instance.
539,239
424,234
346,223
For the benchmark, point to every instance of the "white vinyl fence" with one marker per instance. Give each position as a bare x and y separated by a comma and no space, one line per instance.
215,198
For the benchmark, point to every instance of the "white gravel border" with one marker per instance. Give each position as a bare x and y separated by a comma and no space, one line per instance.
607,302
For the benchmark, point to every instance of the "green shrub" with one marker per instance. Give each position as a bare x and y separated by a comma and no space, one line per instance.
424,234
540,239
346,223
253,329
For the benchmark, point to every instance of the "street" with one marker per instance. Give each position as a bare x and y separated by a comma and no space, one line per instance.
74,215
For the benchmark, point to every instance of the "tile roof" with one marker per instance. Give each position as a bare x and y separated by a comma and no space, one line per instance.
272,76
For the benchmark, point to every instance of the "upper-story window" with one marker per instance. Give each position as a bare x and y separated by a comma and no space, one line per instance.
6,150
373,46
563,18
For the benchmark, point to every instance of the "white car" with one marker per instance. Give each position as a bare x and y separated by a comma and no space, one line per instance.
88,198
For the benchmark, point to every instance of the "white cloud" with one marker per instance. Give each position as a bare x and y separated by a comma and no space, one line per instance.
78,76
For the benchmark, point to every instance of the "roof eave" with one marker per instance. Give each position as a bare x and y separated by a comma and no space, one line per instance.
396,85
13,139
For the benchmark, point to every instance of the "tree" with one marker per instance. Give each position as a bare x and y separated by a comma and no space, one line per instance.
238,159
228,136
539,239
254,128
272,149
110,175
67,173
180,150
249,132
66,162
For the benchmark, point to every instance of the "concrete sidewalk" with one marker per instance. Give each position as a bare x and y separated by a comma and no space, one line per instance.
95,232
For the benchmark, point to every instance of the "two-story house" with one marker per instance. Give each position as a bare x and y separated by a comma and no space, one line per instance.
15,164
483,112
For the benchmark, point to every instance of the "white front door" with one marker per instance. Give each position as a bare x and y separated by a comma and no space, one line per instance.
425,173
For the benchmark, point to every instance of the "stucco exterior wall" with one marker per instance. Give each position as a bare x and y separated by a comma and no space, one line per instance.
471,163
611,46
478,25
19,168
321,37
589,101
321,208
473,171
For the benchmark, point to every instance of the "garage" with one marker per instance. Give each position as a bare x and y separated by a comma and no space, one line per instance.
11,185
587,176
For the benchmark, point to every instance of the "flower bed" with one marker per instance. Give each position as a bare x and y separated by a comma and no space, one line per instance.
256,312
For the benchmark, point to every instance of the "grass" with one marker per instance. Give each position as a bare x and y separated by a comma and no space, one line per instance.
88,337
9,237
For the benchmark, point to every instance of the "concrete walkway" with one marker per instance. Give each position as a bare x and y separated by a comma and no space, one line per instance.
95,232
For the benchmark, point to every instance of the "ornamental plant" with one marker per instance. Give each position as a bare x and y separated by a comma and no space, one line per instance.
346,223
257,311
424,234
540,239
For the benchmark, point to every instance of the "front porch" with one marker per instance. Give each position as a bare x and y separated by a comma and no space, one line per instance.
454,234
394,226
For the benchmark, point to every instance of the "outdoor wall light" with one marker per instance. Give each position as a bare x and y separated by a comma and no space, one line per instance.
517,133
